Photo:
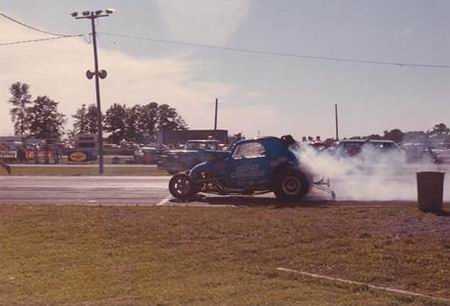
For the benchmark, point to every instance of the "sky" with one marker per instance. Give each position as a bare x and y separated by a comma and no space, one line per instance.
258,94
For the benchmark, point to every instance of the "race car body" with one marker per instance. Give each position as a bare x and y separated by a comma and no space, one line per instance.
251,167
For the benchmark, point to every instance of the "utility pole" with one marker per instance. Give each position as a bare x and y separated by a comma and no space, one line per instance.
92,15
337,122
215,114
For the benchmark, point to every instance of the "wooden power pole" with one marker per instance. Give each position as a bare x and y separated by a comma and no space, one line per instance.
337,122
215,114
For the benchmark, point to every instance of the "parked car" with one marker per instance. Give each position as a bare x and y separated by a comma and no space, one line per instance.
193,152
442,153
373,148
419,152
251,167
149,154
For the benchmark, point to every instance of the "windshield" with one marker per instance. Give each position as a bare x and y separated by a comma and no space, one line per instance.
384,145
249,150
201,145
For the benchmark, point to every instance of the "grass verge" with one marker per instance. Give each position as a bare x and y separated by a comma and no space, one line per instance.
228,256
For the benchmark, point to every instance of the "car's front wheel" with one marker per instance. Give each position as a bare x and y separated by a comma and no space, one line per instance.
291,185
182,187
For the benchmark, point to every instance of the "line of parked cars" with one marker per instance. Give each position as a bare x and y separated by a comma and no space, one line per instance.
410,152
196,151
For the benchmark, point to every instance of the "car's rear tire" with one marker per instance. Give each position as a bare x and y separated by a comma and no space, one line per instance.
291,185
182,187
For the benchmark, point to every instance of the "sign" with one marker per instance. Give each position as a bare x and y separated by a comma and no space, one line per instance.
78,156
8,154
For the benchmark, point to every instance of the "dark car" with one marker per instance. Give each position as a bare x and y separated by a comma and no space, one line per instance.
193,153
149,154
442,153
419,152
372,148
251,167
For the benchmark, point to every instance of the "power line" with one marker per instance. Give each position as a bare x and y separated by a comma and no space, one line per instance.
281,54
19,42
208,46
32,27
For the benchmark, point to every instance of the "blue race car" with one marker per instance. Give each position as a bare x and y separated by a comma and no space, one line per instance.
251,167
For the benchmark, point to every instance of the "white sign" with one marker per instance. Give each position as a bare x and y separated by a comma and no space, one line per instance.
8,154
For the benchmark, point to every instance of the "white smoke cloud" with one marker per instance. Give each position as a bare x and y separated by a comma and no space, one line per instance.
369,176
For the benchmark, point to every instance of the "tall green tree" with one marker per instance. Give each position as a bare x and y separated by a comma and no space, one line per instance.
439,129
80,123
115,122
394,135
91,119
20,100
132,128
169,119
85,120
44,119
148,119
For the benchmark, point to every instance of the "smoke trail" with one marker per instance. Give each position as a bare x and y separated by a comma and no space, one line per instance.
371,175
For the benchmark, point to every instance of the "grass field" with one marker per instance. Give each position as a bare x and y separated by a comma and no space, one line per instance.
219,256
82,171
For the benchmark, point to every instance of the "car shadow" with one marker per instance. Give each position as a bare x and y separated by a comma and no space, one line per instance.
443,213
253,201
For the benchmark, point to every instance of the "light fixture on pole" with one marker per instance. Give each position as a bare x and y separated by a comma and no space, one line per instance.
98,74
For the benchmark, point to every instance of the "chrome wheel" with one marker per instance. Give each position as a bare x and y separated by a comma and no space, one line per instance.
180,186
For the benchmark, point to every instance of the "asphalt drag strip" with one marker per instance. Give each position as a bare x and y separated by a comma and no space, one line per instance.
83,190
153,191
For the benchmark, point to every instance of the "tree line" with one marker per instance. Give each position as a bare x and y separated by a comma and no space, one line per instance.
136,123
41,119
398,136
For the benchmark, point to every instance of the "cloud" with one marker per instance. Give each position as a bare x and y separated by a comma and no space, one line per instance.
203,20
56,69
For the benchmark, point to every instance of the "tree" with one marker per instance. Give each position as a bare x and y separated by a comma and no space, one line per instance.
85,120
115,119
439,129
71,136
168,119
148,119
374,137
45,122
80,124
394,135
92,119
20,100
133,132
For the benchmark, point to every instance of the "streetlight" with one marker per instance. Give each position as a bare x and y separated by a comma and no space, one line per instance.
92,15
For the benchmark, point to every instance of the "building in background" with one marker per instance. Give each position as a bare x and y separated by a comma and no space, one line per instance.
173,138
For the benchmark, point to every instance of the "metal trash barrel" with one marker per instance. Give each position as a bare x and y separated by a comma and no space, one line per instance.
430,190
